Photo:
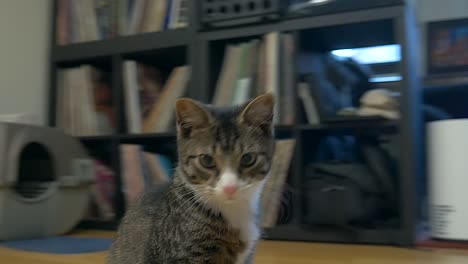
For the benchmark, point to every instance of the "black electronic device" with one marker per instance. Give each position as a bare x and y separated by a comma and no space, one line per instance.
322,7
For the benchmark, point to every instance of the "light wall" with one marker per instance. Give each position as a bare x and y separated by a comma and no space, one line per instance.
24,52
432,10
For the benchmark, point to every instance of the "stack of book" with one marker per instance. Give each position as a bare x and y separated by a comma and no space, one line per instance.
255,67
149,101
140,16
84,102
89,20
272,195
102,205
142,171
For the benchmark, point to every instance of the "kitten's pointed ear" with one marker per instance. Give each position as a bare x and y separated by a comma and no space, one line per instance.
259,112
191,115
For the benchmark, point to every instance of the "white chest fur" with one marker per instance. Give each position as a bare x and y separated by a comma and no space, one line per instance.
241,212
241,215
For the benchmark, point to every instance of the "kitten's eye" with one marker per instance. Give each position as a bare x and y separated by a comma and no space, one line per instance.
207,161
248,159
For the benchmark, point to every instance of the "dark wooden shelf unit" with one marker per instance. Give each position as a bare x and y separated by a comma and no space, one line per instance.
204,52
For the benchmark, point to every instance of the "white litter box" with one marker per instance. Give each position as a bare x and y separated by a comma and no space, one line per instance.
44,181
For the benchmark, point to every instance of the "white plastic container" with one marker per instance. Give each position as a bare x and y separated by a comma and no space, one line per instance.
44,181
448,178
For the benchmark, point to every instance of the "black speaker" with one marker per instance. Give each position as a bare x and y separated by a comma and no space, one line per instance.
224,13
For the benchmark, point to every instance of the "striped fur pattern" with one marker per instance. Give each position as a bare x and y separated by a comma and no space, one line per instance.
208,214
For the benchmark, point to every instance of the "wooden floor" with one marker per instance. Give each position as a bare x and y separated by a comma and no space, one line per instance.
276,253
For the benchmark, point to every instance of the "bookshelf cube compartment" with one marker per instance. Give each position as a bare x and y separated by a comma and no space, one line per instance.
349,183
218,50
83,100
339,64
241,68
152,80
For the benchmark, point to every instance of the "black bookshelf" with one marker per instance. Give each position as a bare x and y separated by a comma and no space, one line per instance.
125,45
203,51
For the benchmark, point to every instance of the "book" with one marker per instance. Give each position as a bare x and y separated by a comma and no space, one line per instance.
82,18
60,110
62,22
253,62
154,16
73,25
84,102
167,18
244,89
221,95
272,49
103,192
76,99
183,14
253,68
178,14
150,86
272,192
303,91
122,16
174,14
132,106
166,165
227,80
89,121
162,114
158,166
136,17
288,87
260,73
89,20
132,178
78,22
103,103
242,83
105,17
73,86
148,99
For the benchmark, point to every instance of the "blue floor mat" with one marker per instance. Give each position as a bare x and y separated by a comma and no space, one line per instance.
61,245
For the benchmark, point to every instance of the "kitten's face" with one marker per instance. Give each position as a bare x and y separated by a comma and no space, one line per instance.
225,154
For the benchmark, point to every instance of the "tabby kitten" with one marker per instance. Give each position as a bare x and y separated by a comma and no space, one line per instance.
208,214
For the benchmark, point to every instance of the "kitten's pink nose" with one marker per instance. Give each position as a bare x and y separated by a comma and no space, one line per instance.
230,190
